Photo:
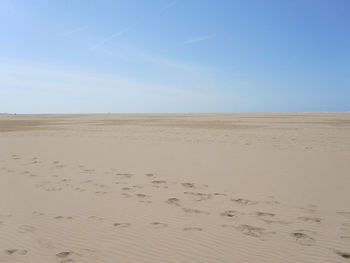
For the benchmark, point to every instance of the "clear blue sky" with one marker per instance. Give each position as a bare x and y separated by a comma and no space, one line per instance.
174,56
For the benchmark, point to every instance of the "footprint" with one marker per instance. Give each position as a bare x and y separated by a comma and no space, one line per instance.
264,214
96,218
142,195
188,185
244,201
343,254
16,251
26,228
38,213
121,225
195,211
312,219
199,196
158,182
192,229
126,195
64,254
173,201
86,182
125,175
229,213
219,194
252,231
344,213
303,239
157,225
80,189
100,193
267,221
63,217
149,175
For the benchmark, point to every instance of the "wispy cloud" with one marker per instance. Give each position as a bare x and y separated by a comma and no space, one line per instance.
74,31
198,39
115,35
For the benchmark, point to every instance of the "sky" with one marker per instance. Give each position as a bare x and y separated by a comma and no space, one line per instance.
138,56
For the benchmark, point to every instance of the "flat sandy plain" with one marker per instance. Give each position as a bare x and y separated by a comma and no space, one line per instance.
175,188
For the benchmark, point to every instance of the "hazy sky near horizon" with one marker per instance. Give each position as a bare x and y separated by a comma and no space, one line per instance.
86,56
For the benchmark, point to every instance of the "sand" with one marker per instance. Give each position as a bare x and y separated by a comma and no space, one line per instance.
175,188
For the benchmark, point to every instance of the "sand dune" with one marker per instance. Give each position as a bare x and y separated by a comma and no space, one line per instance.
175,188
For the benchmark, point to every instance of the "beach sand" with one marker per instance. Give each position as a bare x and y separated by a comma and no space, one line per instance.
175,188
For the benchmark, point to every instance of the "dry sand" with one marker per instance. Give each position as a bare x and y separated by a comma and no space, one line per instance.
175,188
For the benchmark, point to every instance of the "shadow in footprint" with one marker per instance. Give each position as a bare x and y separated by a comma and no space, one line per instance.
195,211
303,239
16,251
173,201
158,225
343,254
192,229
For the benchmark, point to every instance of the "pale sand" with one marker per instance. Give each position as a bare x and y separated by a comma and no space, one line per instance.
175,188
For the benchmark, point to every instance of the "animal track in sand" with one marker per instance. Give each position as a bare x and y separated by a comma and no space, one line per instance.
157,225
199,196
121,225
252,231
192,229
15,251
242,201
195,211
308,219
303,239
173,201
